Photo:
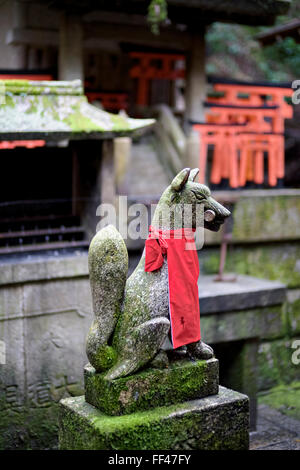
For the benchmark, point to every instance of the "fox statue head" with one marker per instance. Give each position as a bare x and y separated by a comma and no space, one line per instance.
183,201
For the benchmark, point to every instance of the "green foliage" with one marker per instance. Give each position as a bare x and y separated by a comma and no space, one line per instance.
286,53
234,52
284,398
157,14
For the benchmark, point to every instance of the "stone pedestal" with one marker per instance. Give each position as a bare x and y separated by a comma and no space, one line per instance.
178,408
217,422
183,380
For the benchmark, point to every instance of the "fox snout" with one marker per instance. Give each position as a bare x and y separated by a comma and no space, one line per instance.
214,214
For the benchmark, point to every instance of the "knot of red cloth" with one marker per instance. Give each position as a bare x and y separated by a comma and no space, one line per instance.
157,245
183,271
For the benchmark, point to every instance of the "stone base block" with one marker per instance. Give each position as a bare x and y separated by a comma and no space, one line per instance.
183,380
212,423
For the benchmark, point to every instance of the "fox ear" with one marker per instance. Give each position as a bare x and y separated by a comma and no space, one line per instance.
180,180
194,174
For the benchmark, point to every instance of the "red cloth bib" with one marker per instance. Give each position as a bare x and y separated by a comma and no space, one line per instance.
183,273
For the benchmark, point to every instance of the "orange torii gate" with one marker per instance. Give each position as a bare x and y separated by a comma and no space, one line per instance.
26,76
261,109
150,66
237,94
227,140
29,144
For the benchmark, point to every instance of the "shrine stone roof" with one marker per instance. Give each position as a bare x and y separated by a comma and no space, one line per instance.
56,110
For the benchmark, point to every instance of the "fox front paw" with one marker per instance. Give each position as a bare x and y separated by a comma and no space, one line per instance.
200,350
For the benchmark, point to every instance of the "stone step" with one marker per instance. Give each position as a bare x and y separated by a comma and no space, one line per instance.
183,380
146,174
218,422
44,246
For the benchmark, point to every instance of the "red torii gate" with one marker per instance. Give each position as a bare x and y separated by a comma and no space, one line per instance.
260,110
152,65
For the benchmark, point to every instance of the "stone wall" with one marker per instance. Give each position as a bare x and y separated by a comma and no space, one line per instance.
265,244
45,313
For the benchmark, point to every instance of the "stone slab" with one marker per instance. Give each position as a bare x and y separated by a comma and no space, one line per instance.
183,380
265,323
217,422
261,215
23,268
246,292
275,261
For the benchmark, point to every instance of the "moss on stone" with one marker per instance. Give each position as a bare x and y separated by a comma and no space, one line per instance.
29,428
293,316
106,249
105,357
78,122
200,424
57,107
42,424
13,432
28,87
25,427
261,218
119,123
9,102
284,398
33,107
271,261
275,366
149,388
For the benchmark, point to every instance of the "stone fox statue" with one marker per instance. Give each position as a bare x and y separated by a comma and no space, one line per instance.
132,320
